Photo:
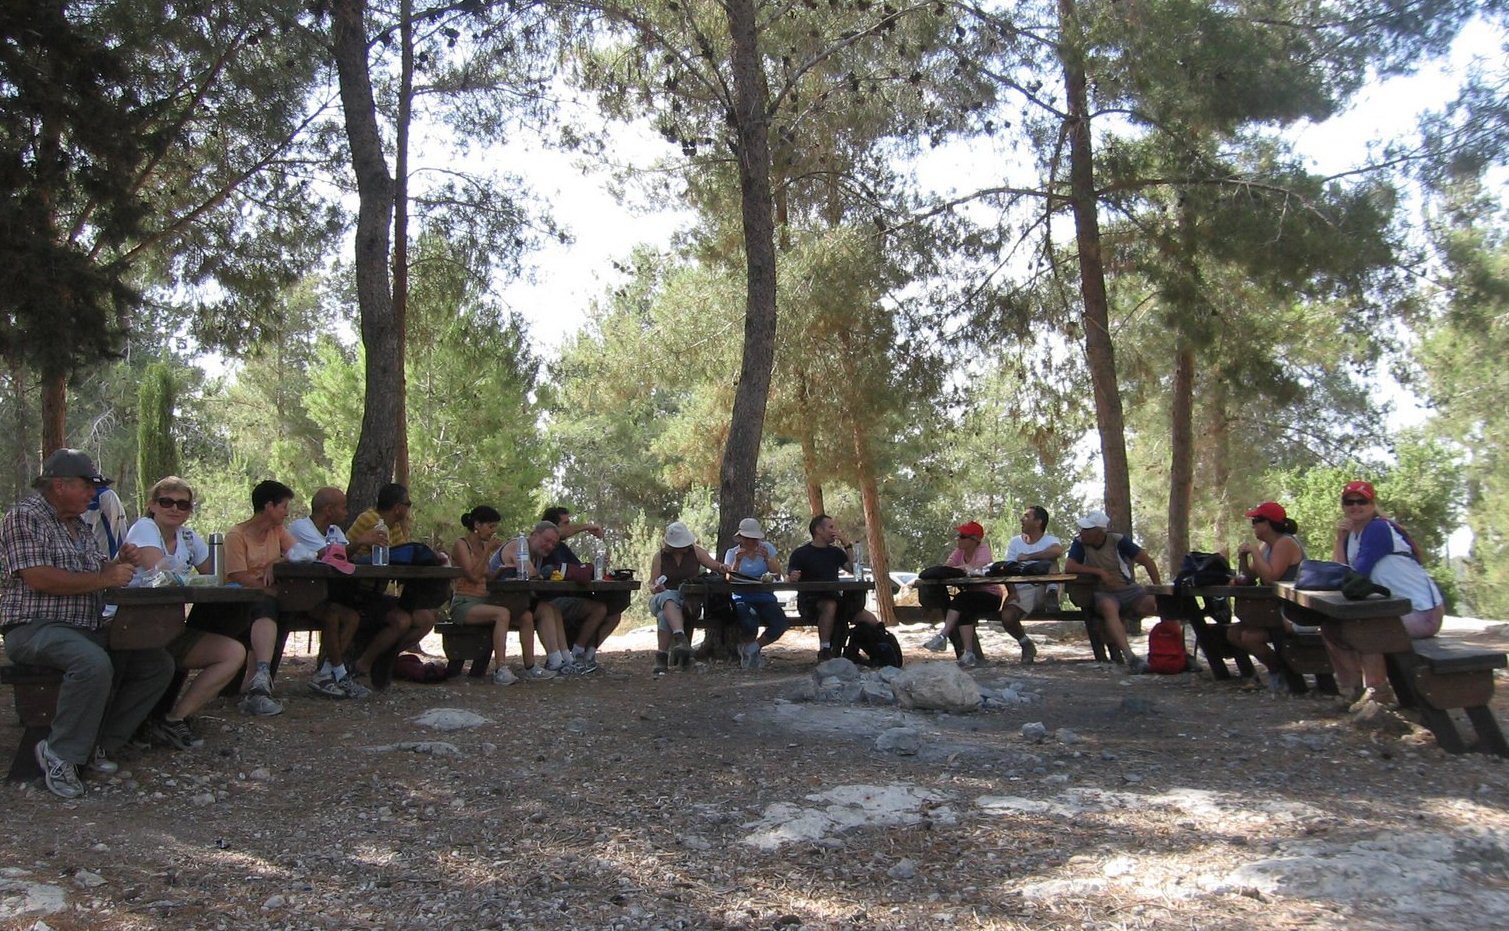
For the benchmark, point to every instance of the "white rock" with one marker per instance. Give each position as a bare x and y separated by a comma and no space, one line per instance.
904,869
1065,736
451,719
88,880
1034,731
902,741
937,686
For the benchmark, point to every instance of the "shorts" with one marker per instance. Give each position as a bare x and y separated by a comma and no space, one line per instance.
461,605
974,605
848,605
657,607
1125,598
180,645
572,608
1027,597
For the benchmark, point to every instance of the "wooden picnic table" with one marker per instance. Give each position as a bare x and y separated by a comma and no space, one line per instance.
1081,591
1258,606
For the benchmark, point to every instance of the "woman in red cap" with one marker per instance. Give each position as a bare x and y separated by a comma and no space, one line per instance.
965,609
1275,559
1380,549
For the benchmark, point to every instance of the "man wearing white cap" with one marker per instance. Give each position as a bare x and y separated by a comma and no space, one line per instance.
51,610
1110,558
678,561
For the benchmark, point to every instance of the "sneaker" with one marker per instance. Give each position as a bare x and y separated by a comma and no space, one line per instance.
969,660
1029,652
504,676
936,643
1373,695
538,672
174,733
661,664
143,739
259,703
749,656
681,650
261,682
1136,665
587,666
101,765
324,684
352,688
824,654
61,776
571,668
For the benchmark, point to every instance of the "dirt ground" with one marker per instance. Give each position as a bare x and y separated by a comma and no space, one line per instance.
709,799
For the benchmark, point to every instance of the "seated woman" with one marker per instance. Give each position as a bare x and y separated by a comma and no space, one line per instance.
1379,549
679,560
163,543
1275,559
471,554
967,607
752,556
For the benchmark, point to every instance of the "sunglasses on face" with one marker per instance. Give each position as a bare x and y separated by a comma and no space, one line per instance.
1259,520
1355,502
182,504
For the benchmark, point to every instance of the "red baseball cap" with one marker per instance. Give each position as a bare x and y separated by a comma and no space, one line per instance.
972,529
1360,488
1271,511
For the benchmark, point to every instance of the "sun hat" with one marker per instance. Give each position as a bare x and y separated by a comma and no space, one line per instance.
1271,511
678,535
971,529
750,528
335,557
71,463
1360,488
1094,519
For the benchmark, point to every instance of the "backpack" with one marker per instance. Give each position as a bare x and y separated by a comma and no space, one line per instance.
1202,569
412,554
1165,648
1010,567
872,645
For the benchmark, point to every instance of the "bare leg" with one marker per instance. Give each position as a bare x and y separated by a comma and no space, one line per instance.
218,659
264,640
395,625
423,622
526,638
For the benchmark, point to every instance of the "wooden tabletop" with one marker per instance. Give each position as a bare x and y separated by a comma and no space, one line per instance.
1243,592
319,570
183,594
1337,606
560,586
721,585
1059,577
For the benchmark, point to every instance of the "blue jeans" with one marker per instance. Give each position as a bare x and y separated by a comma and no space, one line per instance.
768,612
105,694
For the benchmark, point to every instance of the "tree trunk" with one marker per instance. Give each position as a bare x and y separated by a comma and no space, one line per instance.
809,459
1181,469
1217,433
869,496
1092,275
21,470
741,454
401,232
54,412
372,463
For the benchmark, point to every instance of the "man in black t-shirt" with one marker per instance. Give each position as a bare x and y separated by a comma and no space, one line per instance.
821,561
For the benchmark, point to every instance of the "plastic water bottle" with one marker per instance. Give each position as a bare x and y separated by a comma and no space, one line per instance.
599,567
380,550
859,555
332,535
521,555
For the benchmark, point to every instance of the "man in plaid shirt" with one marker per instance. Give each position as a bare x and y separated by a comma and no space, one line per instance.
51,601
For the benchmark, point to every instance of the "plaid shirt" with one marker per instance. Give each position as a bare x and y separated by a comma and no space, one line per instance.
32,534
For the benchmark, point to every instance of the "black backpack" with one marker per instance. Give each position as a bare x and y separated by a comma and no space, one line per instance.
871,645
1201,569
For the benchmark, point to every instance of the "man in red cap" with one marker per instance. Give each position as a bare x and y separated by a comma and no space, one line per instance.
51,609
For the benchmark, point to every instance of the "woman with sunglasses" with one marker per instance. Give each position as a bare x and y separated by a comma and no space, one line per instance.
965,609
1380,549
164,544
1275,559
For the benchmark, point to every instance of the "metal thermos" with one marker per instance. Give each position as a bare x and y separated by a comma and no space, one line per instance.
217,556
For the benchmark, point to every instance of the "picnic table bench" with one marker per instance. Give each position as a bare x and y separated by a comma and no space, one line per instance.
1209,610
1081,592
1434,675
145,618
709,598
473,643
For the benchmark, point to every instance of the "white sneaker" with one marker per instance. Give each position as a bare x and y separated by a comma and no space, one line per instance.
352,688
936,643
969,660
101,764
504,676
324,684
538,672
61,776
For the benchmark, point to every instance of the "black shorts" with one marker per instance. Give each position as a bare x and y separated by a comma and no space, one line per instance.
973,605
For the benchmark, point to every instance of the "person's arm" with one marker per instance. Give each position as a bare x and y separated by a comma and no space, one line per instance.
199,552
655,574
706,560
1286,553
794,568
1377,542
50,580
593,528
1051,551
772,561
1339,545
955,559
1141,557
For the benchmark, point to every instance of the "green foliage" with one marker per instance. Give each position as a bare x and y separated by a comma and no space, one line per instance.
156,447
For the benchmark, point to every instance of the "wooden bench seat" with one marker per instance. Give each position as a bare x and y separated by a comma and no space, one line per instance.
463,643
36,692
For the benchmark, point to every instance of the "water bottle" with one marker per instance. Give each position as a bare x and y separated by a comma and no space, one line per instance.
859,555
521,555
599,567
217,557
332,536
379,550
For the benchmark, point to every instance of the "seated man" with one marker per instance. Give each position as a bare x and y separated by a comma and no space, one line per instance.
821,561
51,606
1033,545
506,562
339,617
1109,557
588,619
387,523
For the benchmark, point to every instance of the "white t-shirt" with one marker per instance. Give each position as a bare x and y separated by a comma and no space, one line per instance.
308,541
1018,549
189,550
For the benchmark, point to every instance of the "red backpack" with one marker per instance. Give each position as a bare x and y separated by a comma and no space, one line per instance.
1165,648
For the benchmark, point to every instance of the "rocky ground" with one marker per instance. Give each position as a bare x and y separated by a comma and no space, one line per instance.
1076,798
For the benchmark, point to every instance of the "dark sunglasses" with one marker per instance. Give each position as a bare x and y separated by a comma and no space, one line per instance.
1355,502
182,504
1259,520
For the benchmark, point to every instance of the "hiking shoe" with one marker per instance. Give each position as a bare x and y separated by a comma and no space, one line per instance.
681,650
61,776
587,666
749,656
824,654
1136,665
969,660
504,676
1373,695
261,682
324,684
571,668
101,765
1029,652
144,738
176,734
538,672
352,688
259,703
661,666
936,643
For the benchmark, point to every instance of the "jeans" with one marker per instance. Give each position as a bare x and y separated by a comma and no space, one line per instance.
105,694
769,612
